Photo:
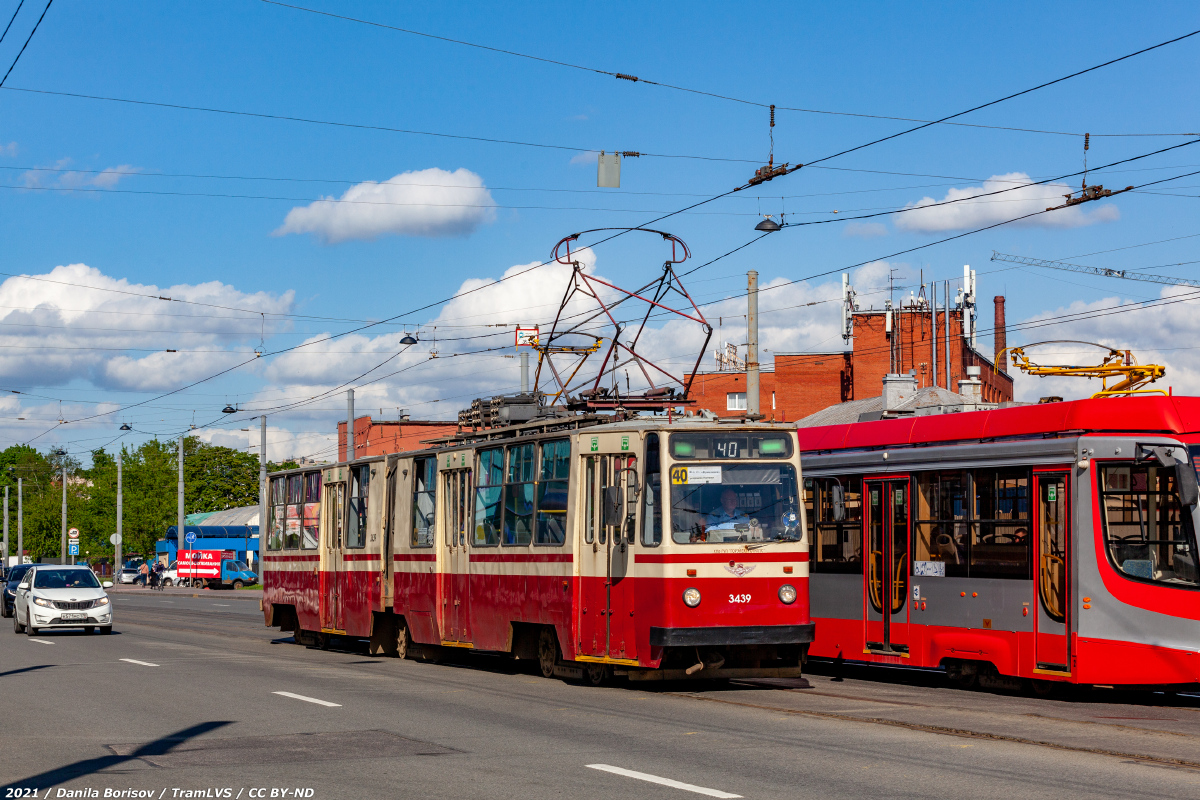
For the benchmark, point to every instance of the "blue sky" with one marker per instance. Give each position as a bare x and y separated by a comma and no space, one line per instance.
907,60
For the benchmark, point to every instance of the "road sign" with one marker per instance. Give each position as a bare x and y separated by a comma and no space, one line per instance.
190,538
73,549
115,539
73,533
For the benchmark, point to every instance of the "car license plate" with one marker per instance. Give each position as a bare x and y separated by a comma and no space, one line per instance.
73,617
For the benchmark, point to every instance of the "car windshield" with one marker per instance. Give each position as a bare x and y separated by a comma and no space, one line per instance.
14,577
240,566
734,503
65,579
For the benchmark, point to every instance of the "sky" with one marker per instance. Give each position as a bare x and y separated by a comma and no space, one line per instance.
372,174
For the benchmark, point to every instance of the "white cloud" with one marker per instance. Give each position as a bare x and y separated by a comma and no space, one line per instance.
588,157
60,177
57,330
430,202
9,149
1001,207
865,230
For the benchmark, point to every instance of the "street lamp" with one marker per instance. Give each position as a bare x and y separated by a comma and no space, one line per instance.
768,225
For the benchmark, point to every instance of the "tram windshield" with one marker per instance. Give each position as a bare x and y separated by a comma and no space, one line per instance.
1150,535
734,503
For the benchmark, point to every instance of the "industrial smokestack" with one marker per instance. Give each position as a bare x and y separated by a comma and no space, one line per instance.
1001,335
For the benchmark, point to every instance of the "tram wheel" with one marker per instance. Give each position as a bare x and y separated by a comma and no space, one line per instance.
597,674
1045,688
548,652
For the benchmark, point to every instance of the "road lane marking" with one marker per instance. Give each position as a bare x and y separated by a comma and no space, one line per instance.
41,641
140,663
315,700
222,605
642,776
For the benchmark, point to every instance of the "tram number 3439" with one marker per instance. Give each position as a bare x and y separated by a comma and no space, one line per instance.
739,598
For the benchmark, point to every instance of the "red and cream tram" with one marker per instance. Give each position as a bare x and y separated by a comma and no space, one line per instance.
1055,542
652,548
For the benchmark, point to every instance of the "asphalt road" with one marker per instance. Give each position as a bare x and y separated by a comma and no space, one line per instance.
192,696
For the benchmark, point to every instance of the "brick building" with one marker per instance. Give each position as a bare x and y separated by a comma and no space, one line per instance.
800,384
375,438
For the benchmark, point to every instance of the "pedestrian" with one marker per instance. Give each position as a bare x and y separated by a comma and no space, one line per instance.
144,574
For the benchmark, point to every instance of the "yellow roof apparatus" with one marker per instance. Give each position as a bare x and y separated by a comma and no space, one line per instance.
1117,365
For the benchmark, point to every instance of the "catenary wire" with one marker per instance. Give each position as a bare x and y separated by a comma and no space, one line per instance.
715,95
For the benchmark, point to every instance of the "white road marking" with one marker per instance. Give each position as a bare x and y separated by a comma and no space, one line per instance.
312,700
41,641
222,605
642,776
140,663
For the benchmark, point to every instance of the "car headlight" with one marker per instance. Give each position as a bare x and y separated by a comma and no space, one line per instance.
787,594
103,601
41,601
691,597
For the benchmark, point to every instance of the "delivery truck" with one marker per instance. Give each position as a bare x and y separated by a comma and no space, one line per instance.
215,569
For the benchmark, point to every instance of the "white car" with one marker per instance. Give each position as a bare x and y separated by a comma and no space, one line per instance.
61,597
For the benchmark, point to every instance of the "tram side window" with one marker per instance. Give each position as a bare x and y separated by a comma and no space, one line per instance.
518,495
1148,536
489,497
360,483
1001,541
652,495
424,501
278,514
552,493
834,510
295,509
942,525
311,524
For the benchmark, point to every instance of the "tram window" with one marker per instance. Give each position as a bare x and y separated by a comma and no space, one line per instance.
652,494
489,497
294,512
310,524
942,524
278,514
360,484
518,495
1148,535
552,492
734,503
834,510
423,503
1001,541
589,530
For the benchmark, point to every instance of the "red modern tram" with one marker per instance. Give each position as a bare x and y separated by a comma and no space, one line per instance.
653,548
1054,542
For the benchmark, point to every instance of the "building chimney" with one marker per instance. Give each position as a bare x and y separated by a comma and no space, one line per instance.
898,389
972,386
1001,335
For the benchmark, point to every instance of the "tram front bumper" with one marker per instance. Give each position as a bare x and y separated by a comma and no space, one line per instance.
732,636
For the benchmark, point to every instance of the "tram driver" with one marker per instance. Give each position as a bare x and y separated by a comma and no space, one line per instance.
725,517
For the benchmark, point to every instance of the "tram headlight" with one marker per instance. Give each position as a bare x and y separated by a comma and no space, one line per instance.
787,594
691,597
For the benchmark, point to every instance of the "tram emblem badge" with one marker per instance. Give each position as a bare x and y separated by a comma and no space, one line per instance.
739,569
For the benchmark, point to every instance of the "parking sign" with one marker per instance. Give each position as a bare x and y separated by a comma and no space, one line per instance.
73,549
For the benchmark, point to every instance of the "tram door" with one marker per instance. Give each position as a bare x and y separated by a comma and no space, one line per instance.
886,568
334,530
1054,524
456,494
606,559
